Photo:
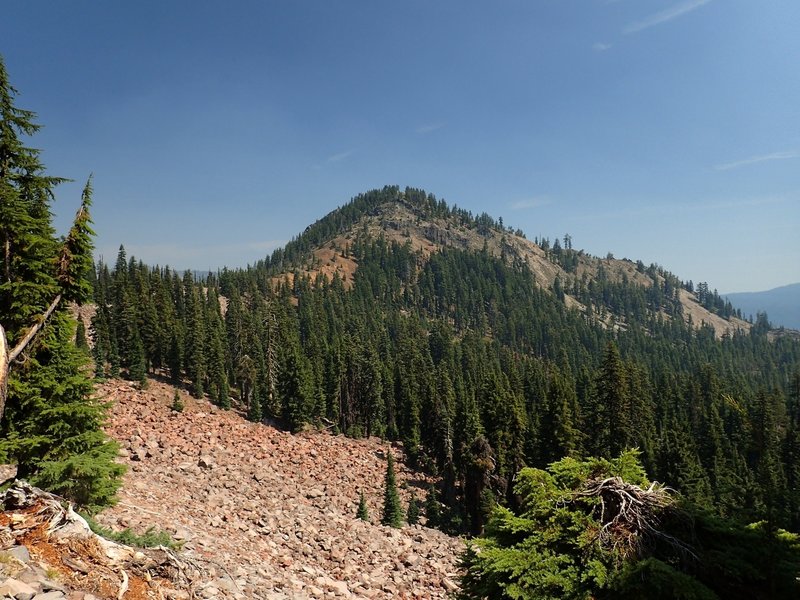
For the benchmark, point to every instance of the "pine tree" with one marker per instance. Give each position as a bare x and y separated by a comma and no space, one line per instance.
392,509
294,387
433,509
177,402
216,358
51,426
196,365
412,514
766,454
611,414
363,512
80,337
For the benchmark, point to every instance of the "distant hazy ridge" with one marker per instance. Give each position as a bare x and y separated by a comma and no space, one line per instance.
781,304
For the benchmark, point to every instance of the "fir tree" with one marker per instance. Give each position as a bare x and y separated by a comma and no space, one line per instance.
611,415
363,512
392,509
80,337
412,514
196,339
218,379
433,509
177,402
52,426
294,387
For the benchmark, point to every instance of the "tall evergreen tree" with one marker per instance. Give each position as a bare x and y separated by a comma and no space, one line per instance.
51,426
412,513
611,415
294,388
433,509
392,509
196,365
80,337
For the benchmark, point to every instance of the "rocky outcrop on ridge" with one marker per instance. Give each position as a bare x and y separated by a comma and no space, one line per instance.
271,514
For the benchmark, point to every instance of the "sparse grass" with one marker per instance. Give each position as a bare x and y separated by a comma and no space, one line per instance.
149,539
6,558
52,574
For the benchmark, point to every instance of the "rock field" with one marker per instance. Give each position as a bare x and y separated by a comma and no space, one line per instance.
271,514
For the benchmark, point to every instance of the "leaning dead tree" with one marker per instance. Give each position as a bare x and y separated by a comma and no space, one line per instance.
630,516
4,362
74,257
9,355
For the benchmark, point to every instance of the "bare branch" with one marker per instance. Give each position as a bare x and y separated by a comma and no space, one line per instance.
3,370
630,516
8,356
33,331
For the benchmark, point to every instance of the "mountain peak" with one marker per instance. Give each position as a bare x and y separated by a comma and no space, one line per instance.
427,225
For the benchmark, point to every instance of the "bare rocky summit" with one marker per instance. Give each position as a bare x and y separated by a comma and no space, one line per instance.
272,514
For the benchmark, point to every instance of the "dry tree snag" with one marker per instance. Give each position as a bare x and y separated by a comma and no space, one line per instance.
3,370
630,516
7,356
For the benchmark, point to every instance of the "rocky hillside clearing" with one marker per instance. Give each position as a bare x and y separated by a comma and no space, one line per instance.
274,513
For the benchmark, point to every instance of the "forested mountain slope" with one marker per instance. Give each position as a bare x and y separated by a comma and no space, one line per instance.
480,351
416,218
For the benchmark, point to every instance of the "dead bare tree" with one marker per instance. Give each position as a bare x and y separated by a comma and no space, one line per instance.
630,516
8,356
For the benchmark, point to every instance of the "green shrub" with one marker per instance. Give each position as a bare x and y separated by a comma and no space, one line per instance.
598,529
149,539
177,403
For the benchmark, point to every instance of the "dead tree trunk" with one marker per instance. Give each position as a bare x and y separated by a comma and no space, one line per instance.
8,356
3,370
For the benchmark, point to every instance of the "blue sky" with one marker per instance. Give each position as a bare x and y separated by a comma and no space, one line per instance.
661,130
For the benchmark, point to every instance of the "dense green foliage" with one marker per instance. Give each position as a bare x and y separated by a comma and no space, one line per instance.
552,547
392,514
478,370
412,512
52,424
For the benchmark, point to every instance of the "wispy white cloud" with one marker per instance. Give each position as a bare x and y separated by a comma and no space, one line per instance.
430,127
601,46
756,159
665,15
531,203
339,157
